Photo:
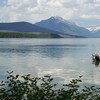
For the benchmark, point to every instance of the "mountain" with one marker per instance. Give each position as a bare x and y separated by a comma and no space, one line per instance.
54,25
28,27
95,31
23,27
94,28
63,26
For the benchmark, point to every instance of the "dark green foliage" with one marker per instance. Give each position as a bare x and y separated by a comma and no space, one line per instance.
34,88
27,35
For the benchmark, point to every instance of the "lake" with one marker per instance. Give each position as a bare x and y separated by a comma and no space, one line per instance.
64,59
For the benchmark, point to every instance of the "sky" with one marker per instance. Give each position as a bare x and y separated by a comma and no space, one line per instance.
84,13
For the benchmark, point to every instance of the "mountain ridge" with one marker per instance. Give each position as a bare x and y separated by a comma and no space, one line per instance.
27,28
63,26
95,30
52,25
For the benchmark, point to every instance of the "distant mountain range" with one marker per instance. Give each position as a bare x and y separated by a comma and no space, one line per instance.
53,25
30,28
23,27
95,31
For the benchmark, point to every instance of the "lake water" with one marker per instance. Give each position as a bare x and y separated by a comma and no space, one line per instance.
64,59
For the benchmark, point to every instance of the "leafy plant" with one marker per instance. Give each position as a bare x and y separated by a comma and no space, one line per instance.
33,88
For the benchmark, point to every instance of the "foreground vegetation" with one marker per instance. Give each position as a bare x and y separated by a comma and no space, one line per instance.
34,88
27,35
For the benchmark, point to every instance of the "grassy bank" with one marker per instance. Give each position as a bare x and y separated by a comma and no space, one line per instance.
35,88
27,35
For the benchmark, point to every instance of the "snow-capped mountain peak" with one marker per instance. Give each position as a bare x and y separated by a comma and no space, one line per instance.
57,18
94,28
61,20
97,28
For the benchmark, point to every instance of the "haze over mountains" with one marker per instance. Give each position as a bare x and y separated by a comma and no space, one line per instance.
54,25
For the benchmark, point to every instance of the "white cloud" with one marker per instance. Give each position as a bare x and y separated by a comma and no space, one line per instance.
90,16
97,1
85,1
35,10
14,16
54,3
41,3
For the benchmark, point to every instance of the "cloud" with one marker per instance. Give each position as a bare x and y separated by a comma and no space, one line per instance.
14,16
35,10
3,2
85,1
87,22
55,3
90,16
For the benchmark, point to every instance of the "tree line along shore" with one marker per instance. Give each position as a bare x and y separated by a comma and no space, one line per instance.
27,35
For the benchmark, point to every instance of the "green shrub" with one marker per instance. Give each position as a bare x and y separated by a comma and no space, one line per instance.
33,88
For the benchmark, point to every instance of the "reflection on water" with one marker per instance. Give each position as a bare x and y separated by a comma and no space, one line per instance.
54,51
96,63
64,59
47,50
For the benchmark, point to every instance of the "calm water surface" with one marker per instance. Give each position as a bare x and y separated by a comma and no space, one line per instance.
64,59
